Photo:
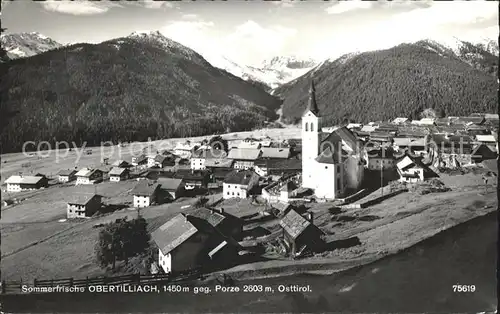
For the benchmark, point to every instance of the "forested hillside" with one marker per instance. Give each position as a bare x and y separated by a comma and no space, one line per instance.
123,90
401,81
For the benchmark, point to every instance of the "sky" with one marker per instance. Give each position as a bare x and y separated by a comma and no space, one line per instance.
249,32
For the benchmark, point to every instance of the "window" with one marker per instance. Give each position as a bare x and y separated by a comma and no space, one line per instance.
238,194
307,126
312,127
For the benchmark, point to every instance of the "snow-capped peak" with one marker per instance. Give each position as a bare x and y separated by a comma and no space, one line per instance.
290,62
21,45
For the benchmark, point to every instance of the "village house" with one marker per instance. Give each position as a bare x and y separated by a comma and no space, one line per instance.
415,145
119,174
20,183
411,169
452,150
89,176
244,158
185,150
202,157
368,128
287,191
239,184
250,143
381,137
139,160
160,161
172,186
380,159
400,120
193,179
356,126
66,175
83,205
481,152
275,152
477,120
425,121
277,167
184,244
228,225
217,175
121,164
214,164
145,194
300,234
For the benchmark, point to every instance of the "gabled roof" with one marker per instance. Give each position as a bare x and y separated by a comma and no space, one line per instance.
82,198
294,224
407,161
240,177
173,233
169,184
219,163
275,152
24,179
244,153
117,171
209,154
120,163
491,165
491,116
144,188
86,172
67,172
400,120
289,187
331,156
292,163
188,174
368,128
213,217
160,158
486,138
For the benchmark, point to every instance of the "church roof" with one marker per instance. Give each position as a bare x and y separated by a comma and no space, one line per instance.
332,156
312,105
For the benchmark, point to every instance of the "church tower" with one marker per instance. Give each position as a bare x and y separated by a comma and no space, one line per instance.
311,133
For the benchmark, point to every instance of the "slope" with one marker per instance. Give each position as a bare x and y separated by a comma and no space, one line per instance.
401,81
125,89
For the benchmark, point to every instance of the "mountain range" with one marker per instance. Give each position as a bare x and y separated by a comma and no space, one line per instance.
272,73
125,89
27,44
146,85
400,81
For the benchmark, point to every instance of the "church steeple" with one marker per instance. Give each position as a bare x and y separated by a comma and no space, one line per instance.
312,105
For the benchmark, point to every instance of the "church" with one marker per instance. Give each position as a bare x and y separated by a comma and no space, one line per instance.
331,162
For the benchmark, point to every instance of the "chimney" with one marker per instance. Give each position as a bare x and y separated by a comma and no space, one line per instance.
310,217
221,210
186,217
